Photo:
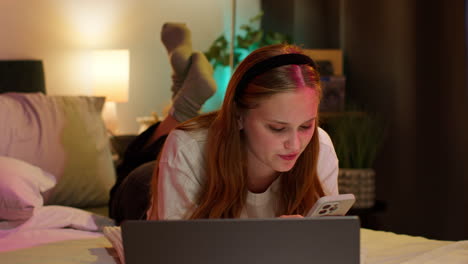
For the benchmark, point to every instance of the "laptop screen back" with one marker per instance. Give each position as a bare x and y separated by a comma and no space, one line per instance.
243,241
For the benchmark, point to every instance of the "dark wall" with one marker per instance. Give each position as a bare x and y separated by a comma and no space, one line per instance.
297,18
278,16
406,59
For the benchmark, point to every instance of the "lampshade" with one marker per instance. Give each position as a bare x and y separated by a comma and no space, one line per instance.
110,69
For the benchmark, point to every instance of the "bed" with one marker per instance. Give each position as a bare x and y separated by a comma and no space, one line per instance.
56,169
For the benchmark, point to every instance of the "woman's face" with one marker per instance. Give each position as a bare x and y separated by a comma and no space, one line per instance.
278,130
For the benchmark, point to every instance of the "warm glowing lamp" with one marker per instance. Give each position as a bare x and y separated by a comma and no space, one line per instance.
110,70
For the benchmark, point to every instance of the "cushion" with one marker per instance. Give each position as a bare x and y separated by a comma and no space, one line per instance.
21,188
65,136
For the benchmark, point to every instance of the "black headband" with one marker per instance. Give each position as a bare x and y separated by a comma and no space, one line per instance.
271,63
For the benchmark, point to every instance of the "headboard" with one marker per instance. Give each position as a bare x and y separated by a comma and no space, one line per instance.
25,76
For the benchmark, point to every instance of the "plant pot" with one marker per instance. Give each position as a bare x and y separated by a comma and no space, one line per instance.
361,183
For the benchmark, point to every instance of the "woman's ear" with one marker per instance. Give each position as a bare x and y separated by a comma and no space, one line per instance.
240,122
240,117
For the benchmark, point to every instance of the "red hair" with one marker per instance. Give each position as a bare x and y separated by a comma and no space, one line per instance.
224,191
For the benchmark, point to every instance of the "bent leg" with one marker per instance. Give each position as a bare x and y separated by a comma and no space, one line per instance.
193,84
137,153
131,199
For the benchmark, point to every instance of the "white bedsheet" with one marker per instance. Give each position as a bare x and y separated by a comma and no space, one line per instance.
45,240
75,251
389,248
51,224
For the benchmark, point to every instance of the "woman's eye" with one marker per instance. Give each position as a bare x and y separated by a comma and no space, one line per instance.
306,127
276,129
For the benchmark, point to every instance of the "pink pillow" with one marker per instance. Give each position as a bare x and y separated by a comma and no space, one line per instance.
21,188
65,136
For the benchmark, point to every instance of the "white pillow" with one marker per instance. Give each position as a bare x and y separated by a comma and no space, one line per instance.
21,188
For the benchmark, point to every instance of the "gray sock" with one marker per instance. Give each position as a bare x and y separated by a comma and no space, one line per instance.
176,37
198,87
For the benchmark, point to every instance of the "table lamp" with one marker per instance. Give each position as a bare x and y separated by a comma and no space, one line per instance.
110,69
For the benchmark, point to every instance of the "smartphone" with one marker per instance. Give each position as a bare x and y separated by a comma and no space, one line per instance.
332,205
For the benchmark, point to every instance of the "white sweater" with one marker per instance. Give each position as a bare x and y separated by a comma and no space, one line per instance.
182,168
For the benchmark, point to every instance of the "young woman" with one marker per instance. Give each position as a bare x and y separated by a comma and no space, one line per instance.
261,155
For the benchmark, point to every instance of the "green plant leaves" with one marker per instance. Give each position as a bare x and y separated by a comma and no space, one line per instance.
218,53
357,137
246,41
275,38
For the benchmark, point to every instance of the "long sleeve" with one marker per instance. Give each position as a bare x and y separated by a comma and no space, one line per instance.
327,167
180,171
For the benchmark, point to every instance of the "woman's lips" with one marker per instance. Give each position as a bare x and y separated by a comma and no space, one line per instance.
288,157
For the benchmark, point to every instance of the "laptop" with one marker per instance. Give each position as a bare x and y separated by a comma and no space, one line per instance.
331,240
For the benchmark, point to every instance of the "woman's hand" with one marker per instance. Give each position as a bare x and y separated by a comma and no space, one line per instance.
291,216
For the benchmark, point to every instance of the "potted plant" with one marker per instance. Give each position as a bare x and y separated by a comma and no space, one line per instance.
249,38
357,137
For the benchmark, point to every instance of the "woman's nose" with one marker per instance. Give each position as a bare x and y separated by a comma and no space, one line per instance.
292,142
